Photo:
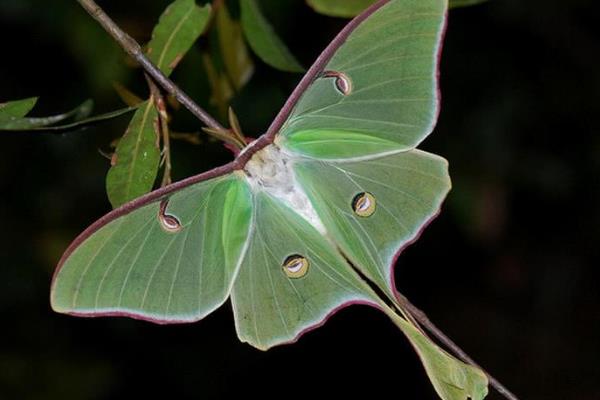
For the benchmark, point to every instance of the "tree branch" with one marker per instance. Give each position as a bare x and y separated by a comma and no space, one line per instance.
424,321
134,50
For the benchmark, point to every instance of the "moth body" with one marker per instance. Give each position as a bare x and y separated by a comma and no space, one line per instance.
270,170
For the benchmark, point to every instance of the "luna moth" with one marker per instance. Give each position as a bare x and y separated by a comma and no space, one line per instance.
309,218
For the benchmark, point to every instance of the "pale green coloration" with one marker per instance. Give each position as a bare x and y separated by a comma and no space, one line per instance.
350,8
340,8
13,117
264,41
323,143
390,61
80,123
134,266
178,28
269,307
238,231
40,123
452,379
136,158
409,188
138,153
16,109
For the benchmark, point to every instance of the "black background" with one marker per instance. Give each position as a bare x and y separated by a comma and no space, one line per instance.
508,270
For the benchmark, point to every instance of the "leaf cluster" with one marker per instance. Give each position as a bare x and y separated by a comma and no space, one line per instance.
226,40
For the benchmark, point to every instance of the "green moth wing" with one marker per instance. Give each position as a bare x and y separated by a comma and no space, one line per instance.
291,279
372,208
127,264
378,91
452,379
173,259
305,218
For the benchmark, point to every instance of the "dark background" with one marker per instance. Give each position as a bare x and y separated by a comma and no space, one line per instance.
508,270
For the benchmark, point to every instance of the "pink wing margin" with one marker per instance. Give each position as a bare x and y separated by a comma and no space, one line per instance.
238,163
243,157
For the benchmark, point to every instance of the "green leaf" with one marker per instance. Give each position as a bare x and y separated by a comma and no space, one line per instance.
27,124
234,51
464,3
264,41
220,86
99,58
88,121
16,109
127,96
77,124
340,8
178,28
136,158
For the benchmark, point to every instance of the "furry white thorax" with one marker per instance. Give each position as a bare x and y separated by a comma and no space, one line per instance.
270,169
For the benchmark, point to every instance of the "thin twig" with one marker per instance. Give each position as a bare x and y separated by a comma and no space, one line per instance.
420,316
134,50
163,116
166,150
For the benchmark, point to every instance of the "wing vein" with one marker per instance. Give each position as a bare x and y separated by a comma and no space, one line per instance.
416,200
204,213
154,269
319,111
133,263
85,270
112,263
177,266
276,301
383,44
